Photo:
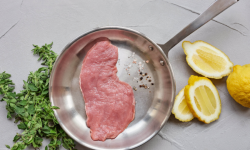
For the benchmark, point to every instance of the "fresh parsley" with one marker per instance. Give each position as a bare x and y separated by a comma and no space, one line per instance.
32,108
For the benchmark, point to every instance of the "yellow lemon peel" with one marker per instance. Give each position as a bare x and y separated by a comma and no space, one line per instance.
238,84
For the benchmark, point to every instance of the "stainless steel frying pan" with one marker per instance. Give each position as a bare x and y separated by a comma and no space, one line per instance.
153,105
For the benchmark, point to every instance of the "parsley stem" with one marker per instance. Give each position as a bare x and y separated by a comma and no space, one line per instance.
26,96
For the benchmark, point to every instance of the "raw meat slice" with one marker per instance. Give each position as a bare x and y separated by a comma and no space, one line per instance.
109,102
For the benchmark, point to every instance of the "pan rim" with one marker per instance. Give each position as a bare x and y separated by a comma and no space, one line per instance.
112,28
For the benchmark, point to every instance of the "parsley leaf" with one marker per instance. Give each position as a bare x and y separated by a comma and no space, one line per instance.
55,107
31,109
16,138
22,126
7,146
32,87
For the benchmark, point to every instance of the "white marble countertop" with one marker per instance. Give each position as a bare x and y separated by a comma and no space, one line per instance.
27,22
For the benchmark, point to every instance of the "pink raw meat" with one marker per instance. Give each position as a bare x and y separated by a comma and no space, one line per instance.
109,102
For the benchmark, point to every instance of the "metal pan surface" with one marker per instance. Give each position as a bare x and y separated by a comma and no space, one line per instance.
153,105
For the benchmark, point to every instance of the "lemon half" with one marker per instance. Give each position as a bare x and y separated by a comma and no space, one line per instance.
238,84
207,60
180,108
203,99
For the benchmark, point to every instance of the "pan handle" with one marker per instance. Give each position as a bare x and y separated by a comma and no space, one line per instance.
215,9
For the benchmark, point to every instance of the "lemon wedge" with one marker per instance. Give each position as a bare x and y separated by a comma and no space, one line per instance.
203,99
180,108
207,60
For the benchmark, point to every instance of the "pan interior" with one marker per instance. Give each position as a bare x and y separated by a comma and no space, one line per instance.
153,104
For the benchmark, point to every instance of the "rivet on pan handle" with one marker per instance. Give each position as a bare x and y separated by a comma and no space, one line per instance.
215,9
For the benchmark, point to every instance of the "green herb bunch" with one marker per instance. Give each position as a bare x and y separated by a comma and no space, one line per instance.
32,108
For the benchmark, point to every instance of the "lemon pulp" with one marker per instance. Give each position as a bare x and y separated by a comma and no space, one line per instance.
208,60
205,100
180,109
183,108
